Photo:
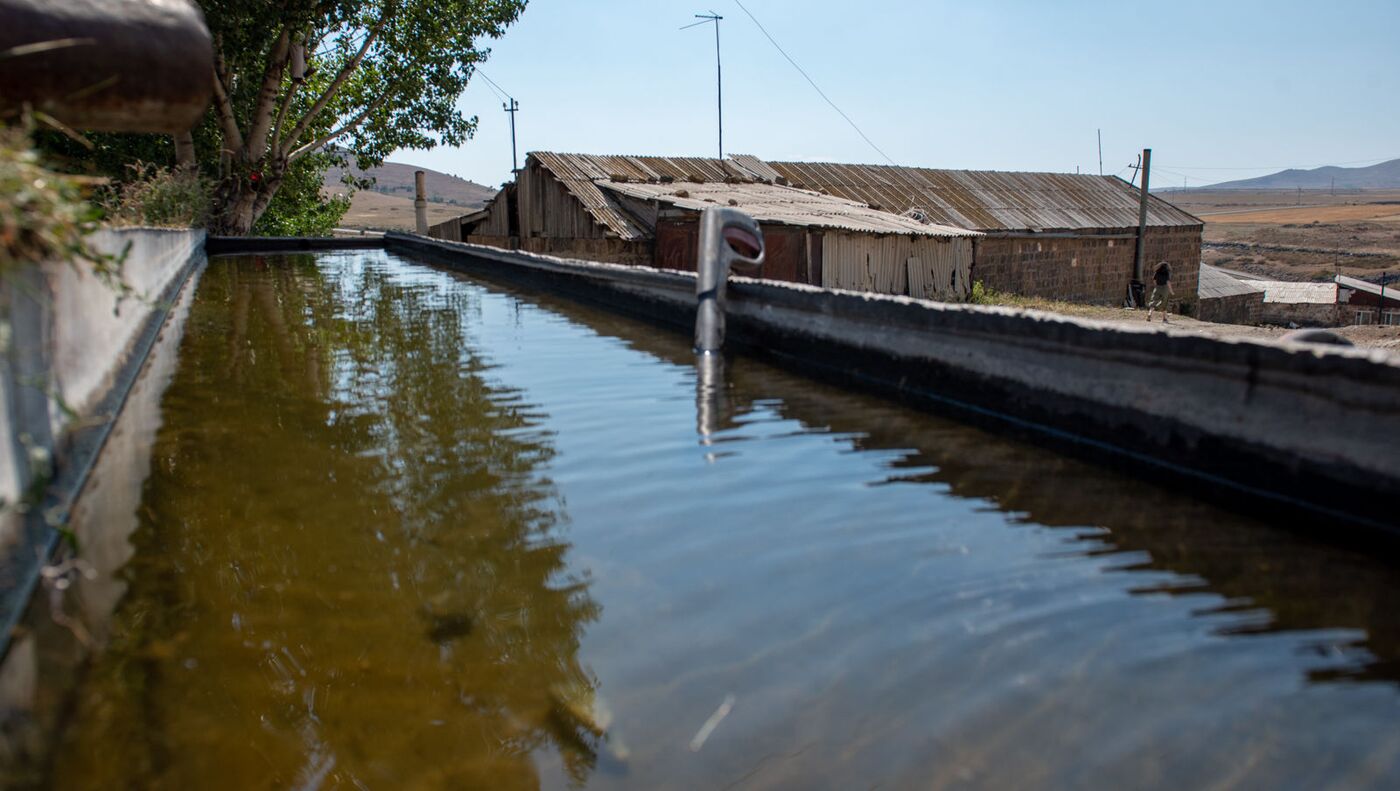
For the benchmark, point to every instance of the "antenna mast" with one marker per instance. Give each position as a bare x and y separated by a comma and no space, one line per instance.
719,72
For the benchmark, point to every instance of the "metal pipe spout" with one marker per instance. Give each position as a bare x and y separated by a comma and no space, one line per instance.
729,238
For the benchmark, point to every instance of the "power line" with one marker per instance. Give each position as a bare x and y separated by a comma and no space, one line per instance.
814,85
496,89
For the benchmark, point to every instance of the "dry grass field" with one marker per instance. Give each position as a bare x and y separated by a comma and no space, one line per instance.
380,212
1298,236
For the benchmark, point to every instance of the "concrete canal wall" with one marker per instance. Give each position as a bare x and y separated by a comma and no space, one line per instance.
74,345
1309,429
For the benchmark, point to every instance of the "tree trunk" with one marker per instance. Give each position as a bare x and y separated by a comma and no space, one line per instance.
232,213
184,149
239,202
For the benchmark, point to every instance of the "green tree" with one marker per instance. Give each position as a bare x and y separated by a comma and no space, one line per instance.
293,77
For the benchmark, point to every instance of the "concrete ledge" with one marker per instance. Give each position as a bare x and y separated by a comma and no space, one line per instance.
233,245
74,352
1283,425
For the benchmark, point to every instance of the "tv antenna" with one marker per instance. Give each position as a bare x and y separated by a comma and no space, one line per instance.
719,72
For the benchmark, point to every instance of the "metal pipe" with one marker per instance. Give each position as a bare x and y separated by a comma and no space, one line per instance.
106,65
728,238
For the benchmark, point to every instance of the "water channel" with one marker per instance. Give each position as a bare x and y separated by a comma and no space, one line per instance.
405,529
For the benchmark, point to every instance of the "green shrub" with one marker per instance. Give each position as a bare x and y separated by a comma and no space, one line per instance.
981,295
159,197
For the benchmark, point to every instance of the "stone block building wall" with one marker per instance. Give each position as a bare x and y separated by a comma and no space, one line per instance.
1090,267
1234,309
1303,314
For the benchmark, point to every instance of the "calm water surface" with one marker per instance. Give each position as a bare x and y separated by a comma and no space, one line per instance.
407,530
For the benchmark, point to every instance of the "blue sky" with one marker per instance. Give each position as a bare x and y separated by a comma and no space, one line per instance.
1000,84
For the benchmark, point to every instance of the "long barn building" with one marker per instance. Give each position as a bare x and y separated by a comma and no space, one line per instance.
1055,235
925,233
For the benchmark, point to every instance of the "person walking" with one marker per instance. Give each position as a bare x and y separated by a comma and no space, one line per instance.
1161,292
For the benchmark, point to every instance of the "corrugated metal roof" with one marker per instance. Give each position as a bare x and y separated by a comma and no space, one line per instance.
1215,284
756,166
1392,290
772,203
987,200
1292,293
580,173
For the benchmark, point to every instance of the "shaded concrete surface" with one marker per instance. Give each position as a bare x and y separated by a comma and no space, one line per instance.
1288,424
62,627
74,344
93,325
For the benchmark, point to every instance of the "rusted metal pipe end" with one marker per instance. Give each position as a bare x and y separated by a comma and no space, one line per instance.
106,65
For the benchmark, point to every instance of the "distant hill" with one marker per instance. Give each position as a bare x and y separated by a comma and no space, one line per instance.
396,178
1385,176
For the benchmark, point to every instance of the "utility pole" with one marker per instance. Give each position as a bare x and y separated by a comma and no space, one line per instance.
1380,309
1136,167
512,107
1100,152
1136,286
719,72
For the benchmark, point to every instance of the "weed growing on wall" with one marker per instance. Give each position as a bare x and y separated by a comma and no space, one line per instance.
159,197
43,215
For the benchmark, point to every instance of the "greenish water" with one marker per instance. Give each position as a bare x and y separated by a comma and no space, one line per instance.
407,530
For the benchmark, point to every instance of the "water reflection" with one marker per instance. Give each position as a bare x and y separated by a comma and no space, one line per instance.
353,570
711,397
343,499
1272,578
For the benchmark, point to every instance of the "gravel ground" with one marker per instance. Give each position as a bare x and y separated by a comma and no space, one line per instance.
1371,336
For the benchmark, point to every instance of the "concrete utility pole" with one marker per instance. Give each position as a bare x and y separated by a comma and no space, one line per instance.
513,107
1136,285
1100,152
420,202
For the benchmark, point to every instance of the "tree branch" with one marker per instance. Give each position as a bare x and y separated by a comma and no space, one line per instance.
276,144
233,138
332,89
344,130
267,95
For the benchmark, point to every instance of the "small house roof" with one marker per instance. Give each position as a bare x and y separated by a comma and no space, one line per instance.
967,199
1293,293
1215,284
1392,290
787,205
988,200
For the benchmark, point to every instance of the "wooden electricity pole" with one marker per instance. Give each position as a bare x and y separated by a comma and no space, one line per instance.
512,107
1137,285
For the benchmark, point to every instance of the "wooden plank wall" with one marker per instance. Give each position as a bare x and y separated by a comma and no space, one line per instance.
925,267
449,230
548,210
497,222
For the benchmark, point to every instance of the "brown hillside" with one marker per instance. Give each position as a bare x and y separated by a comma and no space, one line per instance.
396,179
